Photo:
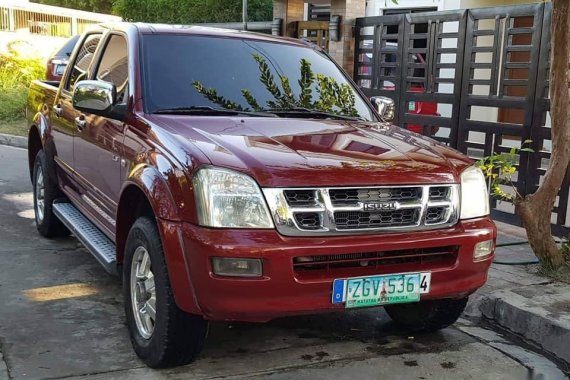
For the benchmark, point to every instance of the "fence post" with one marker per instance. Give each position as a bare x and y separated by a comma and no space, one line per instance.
11,20
74,25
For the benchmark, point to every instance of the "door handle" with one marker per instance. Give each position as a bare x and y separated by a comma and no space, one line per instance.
57,109
80,122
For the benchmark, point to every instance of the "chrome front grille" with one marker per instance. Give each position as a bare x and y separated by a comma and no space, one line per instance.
337,211
345,197
353,220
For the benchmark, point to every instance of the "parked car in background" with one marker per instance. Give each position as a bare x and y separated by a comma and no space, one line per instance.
57,63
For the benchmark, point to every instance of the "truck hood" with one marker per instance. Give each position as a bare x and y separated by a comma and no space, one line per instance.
281,152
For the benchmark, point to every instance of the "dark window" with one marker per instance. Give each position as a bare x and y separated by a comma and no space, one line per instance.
113,66
66,50
83,60
172,64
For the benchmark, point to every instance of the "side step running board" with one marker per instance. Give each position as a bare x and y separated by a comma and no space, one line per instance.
94,240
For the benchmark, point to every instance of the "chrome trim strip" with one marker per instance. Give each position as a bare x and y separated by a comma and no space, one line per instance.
284,215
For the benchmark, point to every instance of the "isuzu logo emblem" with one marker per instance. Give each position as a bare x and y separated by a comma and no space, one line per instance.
380,206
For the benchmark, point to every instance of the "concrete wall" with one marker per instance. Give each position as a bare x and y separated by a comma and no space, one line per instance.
290,11
343,51
375,7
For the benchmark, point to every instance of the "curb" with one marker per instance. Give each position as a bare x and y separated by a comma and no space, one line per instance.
504,309
11,140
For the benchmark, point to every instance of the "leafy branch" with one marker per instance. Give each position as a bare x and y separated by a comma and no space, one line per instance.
212,95
333,97
500,168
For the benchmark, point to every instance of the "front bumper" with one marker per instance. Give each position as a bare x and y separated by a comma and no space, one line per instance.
283,292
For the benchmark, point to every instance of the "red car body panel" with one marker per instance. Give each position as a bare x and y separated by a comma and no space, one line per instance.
282,292
161,153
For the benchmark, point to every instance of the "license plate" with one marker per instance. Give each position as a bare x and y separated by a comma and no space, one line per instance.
380,290
412,106
60,69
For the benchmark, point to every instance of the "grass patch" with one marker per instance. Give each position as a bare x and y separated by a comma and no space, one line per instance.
562,274
14,127
13,104
13,111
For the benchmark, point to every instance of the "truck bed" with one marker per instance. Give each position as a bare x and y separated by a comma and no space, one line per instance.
41,97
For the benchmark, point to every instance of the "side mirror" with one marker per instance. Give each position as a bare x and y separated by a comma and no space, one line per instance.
385,107
97,97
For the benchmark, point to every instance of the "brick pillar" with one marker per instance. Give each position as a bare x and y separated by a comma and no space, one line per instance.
343,51
290,11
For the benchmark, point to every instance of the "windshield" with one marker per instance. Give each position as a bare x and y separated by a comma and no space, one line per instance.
183,72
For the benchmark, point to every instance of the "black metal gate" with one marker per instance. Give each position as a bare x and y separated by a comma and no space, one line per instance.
475,79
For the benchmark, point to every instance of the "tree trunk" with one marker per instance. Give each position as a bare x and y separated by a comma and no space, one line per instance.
535,209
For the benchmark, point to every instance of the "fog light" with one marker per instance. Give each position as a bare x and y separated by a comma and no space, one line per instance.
228,266
483,249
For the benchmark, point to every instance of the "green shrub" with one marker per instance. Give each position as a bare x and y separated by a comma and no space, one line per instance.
191,11
13,103
17,71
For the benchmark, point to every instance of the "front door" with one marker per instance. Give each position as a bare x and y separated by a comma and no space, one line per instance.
98,142
63,114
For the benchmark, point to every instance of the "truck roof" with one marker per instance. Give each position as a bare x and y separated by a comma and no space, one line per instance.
146,28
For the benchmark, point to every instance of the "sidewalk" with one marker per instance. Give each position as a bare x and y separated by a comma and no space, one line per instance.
16,141
534,307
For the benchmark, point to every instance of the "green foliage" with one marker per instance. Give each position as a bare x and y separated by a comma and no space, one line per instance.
13,104
17,71
191,11
333,97
499,168
213,96
99,6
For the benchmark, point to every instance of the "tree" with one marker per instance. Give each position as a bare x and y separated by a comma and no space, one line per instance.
535,209
192,11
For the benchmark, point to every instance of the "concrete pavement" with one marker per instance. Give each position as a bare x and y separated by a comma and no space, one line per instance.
61,316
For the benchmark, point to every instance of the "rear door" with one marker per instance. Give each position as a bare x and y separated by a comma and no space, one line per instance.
98,144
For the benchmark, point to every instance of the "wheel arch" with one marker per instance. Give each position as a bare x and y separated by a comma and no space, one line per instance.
147,194
34,146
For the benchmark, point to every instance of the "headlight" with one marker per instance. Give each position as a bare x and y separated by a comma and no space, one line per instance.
474,195
225,198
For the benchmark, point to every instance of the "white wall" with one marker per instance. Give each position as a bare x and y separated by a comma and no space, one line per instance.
376,7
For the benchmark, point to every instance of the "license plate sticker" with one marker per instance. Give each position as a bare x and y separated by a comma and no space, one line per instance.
380,290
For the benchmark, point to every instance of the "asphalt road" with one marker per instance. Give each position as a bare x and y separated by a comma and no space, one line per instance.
61,316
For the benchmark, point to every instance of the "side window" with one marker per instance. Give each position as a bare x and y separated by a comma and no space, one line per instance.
113,66
83,60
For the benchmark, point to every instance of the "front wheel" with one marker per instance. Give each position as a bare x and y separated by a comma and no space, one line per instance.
162,335
427,316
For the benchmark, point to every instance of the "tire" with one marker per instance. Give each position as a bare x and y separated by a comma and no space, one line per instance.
172,337
427,316
45,192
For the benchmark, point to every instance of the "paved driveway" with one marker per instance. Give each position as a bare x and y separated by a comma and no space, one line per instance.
61,316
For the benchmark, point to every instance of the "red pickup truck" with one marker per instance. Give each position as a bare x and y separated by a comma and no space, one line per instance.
184,170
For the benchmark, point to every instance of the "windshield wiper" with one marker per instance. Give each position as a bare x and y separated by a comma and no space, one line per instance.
211,111
308,111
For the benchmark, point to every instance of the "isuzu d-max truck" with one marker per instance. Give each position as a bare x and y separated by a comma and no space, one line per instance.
242,177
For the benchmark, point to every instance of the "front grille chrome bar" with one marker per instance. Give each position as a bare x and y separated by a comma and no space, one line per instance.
360,214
